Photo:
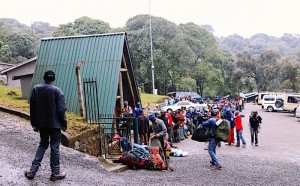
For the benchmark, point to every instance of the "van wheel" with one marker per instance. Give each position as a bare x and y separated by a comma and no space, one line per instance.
278,103
270,108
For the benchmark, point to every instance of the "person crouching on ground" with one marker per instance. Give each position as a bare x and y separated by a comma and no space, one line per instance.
239,129
211,122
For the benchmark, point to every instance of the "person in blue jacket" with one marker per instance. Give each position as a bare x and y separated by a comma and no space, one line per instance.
136,111
211,123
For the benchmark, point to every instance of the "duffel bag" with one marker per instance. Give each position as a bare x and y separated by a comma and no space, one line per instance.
132,160
201,134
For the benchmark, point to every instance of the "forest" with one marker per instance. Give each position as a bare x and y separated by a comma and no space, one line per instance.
186,57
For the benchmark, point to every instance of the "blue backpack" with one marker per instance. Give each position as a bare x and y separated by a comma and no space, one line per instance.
141,151
125,144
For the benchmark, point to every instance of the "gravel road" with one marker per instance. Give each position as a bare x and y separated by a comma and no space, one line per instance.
271,163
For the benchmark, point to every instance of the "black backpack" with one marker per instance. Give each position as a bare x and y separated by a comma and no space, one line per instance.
201,134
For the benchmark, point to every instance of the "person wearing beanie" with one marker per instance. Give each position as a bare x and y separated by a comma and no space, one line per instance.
211,122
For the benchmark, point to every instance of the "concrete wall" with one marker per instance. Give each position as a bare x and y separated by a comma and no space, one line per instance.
3,66
28,68
25,86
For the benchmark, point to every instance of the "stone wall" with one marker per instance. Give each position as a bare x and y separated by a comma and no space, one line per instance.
87,142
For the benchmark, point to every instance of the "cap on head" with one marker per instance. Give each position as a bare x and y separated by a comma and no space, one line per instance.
125,102
214,112
151,116
49,75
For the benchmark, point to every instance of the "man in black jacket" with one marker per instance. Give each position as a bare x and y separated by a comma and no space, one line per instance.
255,120
47,113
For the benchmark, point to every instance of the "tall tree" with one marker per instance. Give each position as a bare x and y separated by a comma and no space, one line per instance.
83,26
5,53
22,45
264,69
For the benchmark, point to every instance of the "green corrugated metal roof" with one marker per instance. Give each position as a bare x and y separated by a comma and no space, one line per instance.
102,55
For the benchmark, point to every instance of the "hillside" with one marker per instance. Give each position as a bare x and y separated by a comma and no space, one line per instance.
288,46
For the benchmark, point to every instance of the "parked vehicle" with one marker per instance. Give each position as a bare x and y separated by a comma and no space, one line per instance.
261,95
180,104
197,100
195,97
270,102
297,113
290,102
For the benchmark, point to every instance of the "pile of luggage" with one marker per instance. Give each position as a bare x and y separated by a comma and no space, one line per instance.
147,157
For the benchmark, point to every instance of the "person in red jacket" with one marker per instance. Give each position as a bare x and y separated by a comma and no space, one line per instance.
239,129
170,127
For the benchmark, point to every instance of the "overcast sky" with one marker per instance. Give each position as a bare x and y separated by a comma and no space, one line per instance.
243,17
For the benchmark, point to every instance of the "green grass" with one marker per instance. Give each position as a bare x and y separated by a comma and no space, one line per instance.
11,97
152,99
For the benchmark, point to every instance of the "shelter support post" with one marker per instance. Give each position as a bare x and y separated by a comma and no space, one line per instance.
80,95
135,131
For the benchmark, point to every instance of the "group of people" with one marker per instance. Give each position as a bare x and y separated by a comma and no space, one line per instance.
48,118
235,118
185,121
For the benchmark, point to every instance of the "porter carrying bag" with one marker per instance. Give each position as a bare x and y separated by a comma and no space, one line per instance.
201,134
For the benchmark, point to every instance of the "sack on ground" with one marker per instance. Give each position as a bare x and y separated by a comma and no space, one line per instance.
130,159
142,151
201,134
222,130
156,159
157,155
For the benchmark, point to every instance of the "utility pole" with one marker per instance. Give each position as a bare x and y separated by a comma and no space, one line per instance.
151,49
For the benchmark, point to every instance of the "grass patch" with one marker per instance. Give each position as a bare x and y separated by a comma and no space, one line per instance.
152,99
11,97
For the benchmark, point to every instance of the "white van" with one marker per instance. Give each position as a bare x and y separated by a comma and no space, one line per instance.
270,102
260,97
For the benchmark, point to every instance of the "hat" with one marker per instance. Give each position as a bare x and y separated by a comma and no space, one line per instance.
49,74
151,116
214,112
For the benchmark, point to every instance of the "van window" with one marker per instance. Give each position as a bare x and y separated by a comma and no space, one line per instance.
269,99
262,96
292,100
